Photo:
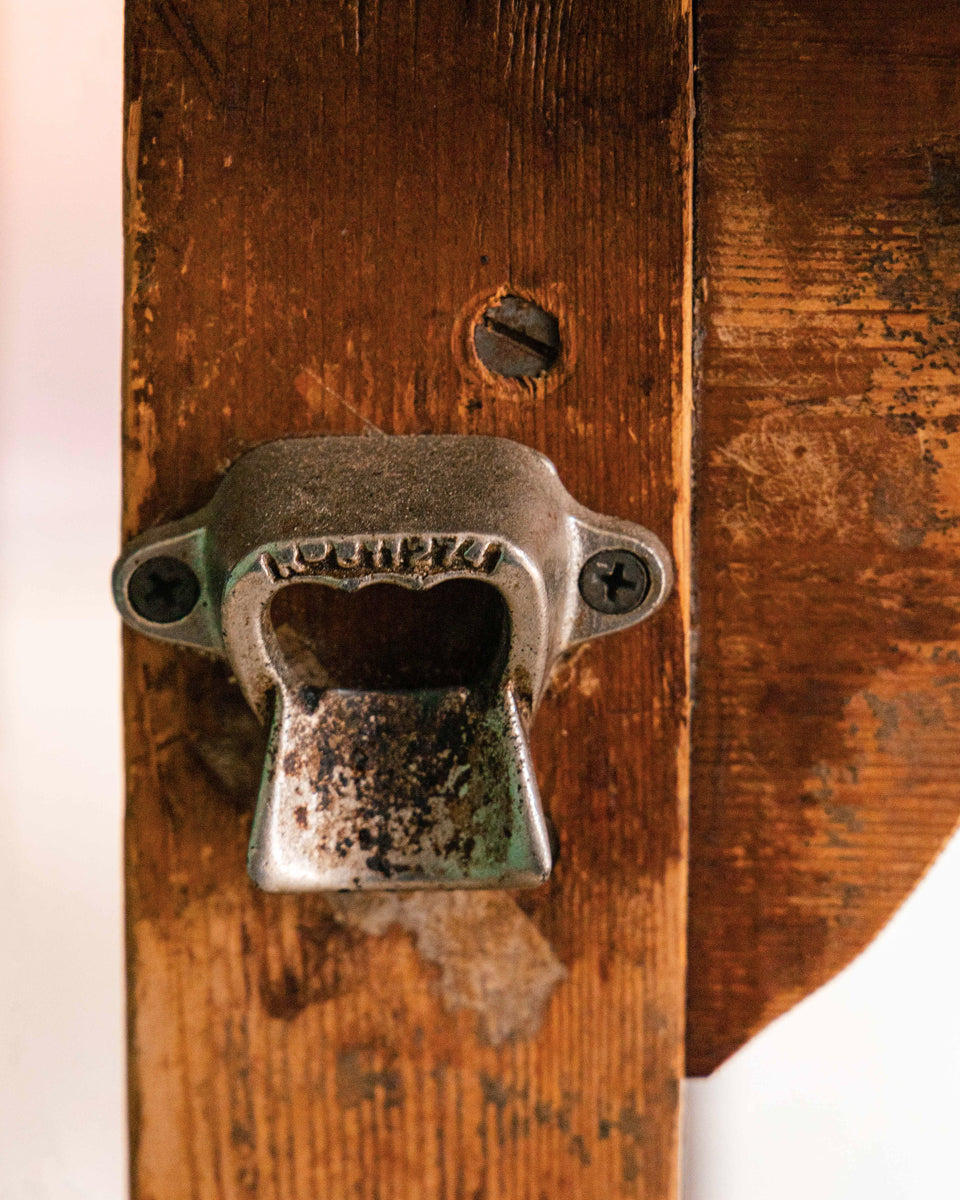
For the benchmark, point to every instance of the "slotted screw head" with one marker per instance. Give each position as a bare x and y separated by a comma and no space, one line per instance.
614,581
163,590
517,338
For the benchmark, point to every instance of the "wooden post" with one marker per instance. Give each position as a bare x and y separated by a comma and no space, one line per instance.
321,199
826,747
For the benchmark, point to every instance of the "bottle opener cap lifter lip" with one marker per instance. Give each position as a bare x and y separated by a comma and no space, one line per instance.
386,787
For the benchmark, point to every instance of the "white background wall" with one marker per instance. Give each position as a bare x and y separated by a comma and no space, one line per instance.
854,1096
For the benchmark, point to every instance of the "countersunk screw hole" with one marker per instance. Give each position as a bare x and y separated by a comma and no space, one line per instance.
614,581
163,590
517,339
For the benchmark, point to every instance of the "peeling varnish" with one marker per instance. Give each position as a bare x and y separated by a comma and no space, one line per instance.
492,959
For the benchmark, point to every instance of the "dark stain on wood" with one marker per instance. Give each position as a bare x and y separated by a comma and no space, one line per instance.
326,965
359,1079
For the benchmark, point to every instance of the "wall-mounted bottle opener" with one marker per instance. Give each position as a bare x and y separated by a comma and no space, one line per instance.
398,753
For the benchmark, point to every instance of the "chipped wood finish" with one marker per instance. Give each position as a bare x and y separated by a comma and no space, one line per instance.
322,198
826,748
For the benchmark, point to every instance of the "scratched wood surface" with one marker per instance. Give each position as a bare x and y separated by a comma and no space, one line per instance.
826,737
320,198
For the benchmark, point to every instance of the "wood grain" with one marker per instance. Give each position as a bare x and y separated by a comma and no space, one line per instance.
320,198
826,738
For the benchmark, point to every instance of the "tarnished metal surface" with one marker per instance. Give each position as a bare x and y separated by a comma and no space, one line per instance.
380,787
404,788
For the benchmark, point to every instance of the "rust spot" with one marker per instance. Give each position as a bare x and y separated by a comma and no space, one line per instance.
403,784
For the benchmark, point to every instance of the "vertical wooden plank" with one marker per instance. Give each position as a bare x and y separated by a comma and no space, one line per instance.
826,745
321,198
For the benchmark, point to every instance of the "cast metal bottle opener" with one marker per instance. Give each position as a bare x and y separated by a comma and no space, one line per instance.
386,771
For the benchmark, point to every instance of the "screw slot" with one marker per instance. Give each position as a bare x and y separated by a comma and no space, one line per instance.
517,339
614,581
163,590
